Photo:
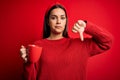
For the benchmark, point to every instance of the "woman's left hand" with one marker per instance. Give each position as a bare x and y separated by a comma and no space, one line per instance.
79,27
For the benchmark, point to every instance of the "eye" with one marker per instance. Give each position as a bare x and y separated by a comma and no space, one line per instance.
63,18
53,17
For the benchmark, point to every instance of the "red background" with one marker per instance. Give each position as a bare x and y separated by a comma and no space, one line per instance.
21,23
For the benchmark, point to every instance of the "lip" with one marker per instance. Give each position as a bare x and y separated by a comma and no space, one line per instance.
58,26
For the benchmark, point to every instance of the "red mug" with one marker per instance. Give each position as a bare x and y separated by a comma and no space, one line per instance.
34,53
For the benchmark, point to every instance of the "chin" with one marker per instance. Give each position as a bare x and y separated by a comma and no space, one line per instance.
58,32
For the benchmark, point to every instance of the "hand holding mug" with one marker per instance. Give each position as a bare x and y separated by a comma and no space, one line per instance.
32,53
23,53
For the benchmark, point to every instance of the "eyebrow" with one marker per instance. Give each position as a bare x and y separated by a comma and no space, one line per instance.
56,15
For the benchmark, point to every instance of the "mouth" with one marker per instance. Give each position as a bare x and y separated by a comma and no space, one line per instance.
58,27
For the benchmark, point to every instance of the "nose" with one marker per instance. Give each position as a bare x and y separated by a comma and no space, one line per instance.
58,21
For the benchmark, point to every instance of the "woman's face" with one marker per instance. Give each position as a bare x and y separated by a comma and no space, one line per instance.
57,20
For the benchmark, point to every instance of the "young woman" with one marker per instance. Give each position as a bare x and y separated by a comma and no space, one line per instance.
64,58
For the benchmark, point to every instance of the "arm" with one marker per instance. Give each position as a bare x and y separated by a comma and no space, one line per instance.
30,71
101,39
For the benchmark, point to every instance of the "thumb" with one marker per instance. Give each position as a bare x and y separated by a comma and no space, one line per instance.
81,36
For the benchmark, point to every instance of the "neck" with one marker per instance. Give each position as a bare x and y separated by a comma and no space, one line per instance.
55,36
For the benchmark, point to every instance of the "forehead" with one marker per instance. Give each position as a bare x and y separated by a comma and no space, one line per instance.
57,11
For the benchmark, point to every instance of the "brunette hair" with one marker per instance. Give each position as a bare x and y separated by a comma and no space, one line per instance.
46,27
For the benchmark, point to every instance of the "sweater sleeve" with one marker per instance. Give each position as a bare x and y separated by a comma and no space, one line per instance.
30,71
101,39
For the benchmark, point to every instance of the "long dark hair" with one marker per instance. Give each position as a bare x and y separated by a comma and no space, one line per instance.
46,27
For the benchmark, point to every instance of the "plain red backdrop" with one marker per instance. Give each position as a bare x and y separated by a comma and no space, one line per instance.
21,22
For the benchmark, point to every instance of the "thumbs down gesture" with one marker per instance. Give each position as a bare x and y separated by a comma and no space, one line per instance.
79,27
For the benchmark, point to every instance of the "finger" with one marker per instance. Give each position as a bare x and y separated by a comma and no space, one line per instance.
81,36
81,23
22,49
76,28
25,60
22,46
23,56
74,31
77,25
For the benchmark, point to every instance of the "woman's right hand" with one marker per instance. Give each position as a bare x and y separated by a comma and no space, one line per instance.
23,53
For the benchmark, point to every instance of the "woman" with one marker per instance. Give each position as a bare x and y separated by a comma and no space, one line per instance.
64,58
